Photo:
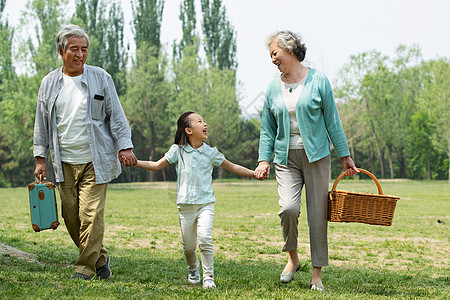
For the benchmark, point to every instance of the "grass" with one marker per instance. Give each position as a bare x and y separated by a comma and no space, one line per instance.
408,260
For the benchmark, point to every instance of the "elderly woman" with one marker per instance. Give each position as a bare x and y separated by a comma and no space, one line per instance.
298,119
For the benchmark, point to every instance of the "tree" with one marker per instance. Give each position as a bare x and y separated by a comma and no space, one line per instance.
146,100
6,70
17,109
420,142
49,14
7,79
349,90
188,21
434,99
209,92
106,33
148,91
408,82
90,14
220,44
147,23
380,100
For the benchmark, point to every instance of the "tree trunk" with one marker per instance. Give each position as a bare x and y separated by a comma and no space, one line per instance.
164,174
448,153
391,166
381,153
152,174
429,167
372,160
221,173
352,149
127,172
401,161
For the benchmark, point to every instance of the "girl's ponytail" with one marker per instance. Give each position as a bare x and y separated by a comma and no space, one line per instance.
183,122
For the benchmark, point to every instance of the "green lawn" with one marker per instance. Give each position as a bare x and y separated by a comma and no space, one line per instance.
408,260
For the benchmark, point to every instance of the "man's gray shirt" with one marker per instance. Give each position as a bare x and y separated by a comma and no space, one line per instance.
106,123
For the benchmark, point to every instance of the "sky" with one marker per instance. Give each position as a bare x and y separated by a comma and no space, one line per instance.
332,30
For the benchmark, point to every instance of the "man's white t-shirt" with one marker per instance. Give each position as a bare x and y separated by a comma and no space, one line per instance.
71,121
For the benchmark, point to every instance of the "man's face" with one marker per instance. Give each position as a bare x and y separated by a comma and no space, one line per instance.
74,56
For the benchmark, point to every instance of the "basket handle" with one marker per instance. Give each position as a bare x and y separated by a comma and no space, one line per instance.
380,191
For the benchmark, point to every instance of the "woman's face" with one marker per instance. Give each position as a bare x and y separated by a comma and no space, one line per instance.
282,58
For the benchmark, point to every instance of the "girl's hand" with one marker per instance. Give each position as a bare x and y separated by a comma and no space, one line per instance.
263,170
349,166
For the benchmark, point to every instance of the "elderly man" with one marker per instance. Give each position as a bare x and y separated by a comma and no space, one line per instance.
79,117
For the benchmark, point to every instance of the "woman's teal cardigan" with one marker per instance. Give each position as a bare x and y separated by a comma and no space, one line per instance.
317,119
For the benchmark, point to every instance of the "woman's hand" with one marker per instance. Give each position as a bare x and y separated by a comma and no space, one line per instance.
263,170
349,166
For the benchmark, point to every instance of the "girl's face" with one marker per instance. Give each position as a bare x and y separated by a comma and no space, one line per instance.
197,129
282,58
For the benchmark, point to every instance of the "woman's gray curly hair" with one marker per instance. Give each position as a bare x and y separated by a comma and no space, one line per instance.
290,41
67,31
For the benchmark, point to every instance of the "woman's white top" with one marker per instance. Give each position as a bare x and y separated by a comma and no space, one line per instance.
71,121
291,93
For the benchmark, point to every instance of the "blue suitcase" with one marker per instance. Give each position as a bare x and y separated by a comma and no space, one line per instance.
44,213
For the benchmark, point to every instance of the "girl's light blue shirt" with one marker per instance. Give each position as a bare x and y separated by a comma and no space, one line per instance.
317,118
194,172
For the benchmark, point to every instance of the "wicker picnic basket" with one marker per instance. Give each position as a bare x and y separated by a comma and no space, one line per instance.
373,209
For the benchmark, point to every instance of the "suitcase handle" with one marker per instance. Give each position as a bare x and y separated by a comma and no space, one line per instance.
49,184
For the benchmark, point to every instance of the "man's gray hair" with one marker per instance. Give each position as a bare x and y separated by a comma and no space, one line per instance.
67,31
290,41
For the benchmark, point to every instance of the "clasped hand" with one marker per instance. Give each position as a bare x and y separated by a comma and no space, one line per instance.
262,171
127,158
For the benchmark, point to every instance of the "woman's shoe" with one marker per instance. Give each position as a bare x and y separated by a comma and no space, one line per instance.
287,277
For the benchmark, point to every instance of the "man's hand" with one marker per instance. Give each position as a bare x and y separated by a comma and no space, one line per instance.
41,169
127,158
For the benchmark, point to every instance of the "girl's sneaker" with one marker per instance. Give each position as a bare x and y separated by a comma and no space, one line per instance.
194,277
208,283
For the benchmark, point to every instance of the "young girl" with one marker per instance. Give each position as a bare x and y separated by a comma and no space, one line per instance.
195,197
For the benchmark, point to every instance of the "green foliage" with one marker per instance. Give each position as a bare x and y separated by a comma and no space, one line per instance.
220,46
146,100
424,153
246,151
394,110
188,21
50,15
434,99
147,23
211,93
16,131
116,54
381,95
6,70
90,14
106,33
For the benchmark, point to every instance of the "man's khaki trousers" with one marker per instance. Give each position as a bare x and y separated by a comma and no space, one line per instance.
83,205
